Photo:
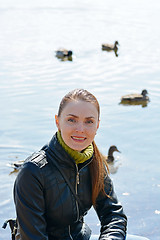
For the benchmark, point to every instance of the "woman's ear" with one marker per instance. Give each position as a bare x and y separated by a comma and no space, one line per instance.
57,121
98,124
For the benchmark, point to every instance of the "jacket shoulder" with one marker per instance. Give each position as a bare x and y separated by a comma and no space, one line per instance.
38,158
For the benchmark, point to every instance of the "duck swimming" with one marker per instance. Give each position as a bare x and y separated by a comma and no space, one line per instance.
17,164
134,97
64,53
110,157
110,47
112,167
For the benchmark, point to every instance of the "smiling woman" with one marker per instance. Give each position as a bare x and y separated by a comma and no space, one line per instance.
78,124
59,184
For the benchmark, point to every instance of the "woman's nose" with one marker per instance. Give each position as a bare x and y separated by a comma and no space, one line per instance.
80,127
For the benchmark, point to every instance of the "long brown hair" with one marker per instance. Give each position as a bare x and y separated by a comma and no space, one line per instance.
98,165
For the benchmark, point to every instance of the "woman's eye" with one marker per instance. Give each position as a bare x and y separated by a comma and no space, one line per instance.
71,120
89,121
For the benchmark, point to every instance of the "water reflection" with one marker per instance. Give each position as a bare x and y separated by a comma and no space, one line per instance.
129,103
14,172
115,51
113,167
63,59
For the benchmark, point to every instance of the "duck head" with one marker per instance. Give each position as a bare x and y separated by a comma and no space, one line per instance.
116,43
112,149
70,53
144,92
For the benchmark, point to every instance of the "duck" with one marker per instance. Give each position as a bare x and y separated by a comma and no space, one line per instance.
110,47
62,53
17,165
110,157
135,97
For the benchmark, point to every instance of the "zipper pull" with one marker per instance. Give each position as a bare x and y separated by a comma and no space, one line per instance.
77,177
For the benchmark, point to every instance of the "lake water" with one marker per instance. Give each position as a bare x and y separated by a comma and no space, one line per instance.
33,81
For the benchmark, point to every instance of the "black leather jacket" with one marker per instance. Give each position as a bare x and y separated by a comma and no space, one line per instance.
46,208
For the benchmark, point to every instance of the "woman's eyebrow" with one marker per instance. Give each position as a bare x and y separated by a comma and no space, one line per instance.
72,115
89,117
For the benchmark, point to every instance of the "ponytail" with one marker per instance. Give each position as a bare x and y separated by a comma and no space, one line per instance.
98,169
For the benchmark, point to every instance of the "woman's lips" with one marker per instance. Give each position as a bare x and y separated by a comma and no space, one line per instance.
79,139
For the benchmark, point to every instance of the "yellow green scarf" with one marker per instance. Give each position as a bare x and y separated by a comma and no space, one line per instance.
79,157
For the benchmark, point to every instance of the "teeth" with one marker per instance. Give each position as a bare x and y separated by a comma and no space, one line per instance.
78,138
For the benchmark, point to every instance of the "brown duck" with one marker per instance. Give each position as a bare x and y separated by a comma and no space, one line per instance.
110,47
110,157
135,97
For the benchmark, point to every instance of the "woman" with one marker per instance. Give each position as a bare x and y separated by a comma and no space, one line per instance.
46,207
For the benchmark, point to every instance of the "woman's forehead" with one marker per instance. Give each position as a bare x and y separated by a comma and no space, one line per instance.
80,108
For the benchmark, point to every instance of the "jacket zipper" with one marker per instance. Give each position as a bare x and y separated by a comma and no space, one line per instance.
77,182
77,177
69,231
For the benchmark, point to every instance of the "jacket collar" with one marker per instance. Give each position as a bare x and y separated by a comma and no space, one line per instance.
61,155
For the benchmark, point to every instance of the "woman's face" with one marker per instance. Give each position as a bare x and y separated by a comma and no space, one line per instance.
78,124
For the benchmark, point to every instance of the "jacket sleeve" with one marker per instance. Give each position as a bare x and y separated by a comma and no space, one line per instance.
30,204
110,213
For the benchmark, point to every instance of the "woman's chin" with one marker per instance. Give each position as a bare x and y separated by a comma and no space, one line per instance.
77,148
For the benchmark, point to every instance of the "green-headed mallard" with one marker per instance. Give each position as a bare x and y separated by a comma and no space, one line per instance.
62,53
110,47
134,97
